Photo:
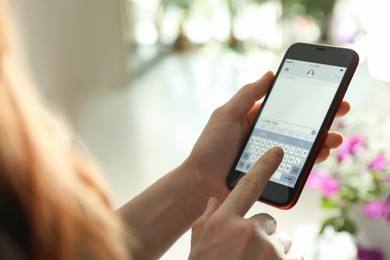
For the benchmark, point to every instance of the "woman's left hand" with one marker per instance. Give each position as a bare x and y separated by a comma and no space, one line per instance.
220,141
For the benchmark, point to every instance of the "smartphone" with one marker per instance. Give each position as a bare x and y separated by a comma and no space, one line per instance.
296,114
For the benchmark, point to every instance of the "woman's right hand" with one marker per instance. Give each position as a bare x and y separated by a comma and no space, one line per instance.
223,233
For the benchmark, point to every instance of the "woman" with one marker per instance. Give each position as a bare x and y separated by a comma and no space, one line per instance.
54,205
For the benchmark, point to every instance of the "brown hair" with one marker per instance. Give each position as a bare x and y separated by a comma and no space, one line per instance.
62,196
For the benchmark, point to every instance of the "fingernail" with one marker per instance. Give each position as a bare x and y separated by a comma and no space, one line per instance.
270,226
277,152
285,239
286,245
267,74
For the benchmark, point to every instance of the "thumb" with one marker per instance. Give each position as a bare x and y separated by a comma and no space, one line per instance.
197,227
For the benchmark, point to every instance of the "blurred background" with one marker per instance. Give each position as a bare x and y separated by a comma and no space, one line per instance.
138,80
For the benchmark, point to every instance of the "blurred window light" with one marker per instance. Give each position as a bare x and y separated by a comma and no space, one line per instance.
144,21
379,39
198,30
259,22
197,26
145,32
169,25
345,28
363,24
349,26
219,23
303,28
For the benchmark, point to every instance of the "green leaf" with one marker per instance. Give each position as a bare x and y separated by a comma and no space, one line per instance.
349,226
328,203
340,224
327,222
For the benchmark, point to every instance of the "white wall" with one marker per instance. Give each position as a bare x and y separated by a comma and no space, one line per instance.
74,47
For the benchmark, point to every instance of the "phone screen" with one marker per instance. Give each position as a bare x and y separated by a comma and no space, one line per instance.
292,117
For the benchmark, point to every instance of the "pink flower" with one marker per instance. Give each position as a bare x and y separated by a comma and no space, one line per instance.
314,180
352,146
373,209
379,163
370,253
327,184
377,209
386,211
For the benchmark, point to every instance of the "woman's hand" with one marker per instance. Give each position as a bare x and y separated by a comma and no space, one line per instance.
222,232
220,141
187,188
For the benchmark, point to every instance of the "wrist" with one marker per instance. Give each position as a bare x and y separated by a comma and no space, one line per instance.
204,181
194,189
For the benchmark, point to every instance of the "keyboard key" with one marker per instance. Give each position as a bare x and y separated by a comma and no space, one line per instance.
277,175
289,179
295,170
297,161
241,164
281,166
248,166
291,159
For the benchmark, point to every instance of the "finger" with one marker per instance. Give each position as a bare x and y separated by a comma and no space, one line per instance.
281,244
274,242
333,140
284,239
293,256
344,108
323,155
212,205
247,96
251,115
197,227
250,187
265,222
